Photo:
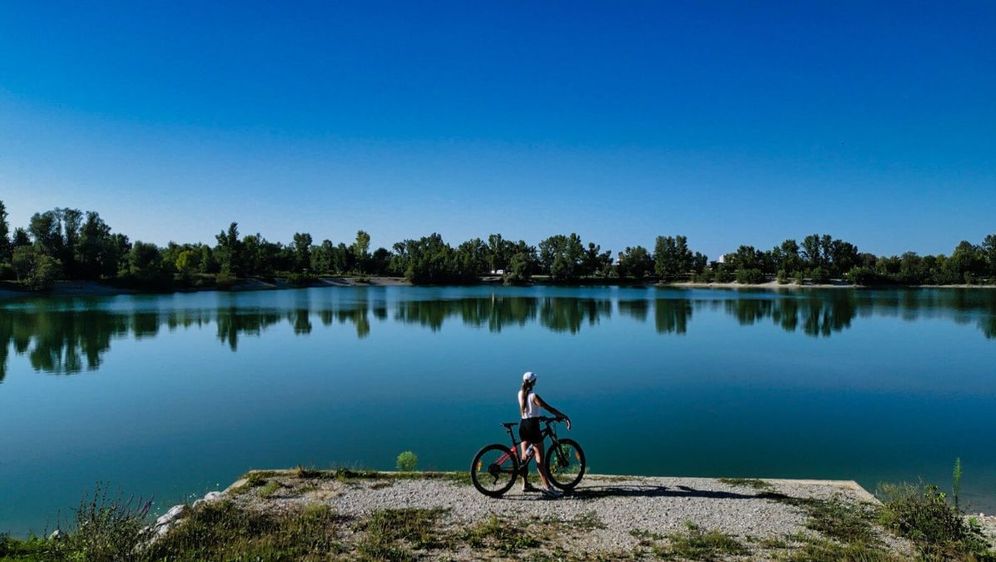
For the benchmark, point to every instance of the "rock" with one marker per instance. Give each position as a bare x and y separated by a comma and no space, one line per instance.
57,535
174,513
212,496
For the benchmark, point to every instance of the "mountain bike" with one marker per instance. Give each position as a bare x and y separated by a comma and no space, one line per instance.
496,466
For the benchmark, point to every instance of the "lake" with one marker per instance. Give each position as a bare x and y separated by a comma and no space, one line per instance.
171,396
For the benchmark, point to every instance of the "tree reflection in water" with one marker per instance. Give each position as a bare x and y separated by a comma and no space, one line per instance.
67,340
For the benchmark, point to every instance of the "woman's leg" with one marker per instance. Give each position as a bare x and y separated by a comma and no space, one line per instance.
540,465
523,461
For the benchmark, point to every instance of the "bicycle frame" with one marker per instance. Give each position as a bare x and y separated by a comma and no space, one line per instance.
548,431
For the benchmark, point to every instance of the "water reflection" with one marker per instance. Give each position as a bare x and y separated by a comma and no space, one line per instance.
72,339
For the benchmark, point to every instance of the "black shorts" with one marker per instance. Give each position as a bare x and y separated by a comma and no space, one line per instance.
529,430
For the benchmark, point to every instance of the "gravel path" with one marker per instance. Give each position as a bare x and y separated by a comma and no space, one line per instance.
609,508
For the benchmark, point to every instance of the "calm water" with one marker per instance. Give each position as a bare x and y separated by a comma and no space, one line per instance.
172,396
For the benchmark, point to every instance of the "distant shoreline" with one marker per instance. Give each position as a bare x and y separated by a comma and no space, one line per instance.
10,290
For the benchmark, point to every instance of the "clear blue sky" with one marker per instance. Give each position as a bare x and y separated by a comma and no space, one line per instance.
743,122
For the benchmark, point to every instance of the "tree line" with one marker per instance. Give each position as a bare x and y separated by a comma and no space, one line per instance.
68,244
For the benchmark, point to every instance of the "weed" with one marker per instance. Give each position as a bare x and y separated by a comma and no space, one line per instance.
386,528
842,521
502,535
696,544
822,550
270,488
755,483
224,531
922,514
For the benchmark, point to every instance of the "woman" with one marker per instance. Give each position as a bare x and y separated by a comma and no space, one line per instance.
530,433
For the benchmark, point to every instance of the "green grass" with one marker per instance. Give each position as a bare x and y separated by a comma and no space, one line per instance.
270,489
502,535
822,550
390,534
842,521
695,544
755,483
224,531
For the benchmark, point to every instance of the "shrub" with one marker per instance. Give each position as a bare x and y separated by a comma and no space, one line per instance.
819,275
750,276
7,272
799,278
922,514
863,276
723,276
224,280
106,529
782,277
407,461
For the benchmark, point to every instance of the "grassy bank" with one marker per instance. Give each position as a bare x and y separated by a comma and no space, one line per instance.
305,515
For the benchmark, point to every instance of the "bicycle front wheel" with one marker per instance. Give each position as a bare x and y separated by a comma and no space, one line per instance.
565,464
494,470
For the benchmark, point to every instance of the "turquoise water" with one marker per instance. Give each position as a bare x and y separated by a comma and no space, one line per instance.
172,396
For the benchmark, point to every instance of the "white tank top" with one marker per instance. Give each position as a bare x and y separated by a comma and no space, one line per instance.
532,410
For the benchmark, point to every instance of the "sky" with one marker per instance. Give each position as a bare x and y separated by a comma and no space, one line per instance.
729,122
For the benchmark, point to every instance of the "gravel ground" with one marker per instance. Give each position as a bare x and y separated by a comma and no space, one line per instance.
749,511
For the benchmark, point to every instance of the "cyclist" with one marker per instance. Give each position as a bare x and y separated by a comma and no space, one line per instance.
530,433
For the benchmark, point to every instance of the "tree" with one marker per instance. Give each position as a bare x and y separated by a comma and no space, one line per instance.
672,257
811,253
34,268
72,224
635,262
97,251
561,256
472,259
5,244
20,238
230,250
145,264
361,250
989,252
46,230
302,251
595,261
519,269
498,253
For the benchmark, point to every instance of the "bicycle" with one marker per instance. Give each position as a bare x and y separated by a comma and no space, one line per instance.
496,467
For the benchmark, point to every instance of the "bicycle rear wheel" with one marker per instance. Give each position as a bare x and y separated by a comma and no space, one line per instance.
494,470
565,464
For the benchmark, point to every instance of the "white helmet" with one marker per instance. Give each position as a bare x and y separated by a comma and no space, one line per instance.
529,376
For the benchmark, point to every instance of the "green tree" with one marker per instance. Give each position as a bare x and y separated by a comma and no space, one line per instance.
145,264
46,230
989,252
20,238
6,248
812,251
519,269
635,263
230,250
302,251
561,256
472,259
97,250
498,253
672,258
361,251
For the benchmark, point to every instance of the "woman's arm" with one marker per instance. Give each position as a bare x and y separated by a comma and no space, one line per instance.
553,410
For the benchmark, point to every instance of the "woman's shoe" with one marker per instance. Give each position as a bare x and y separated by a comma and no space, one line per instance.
552,493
